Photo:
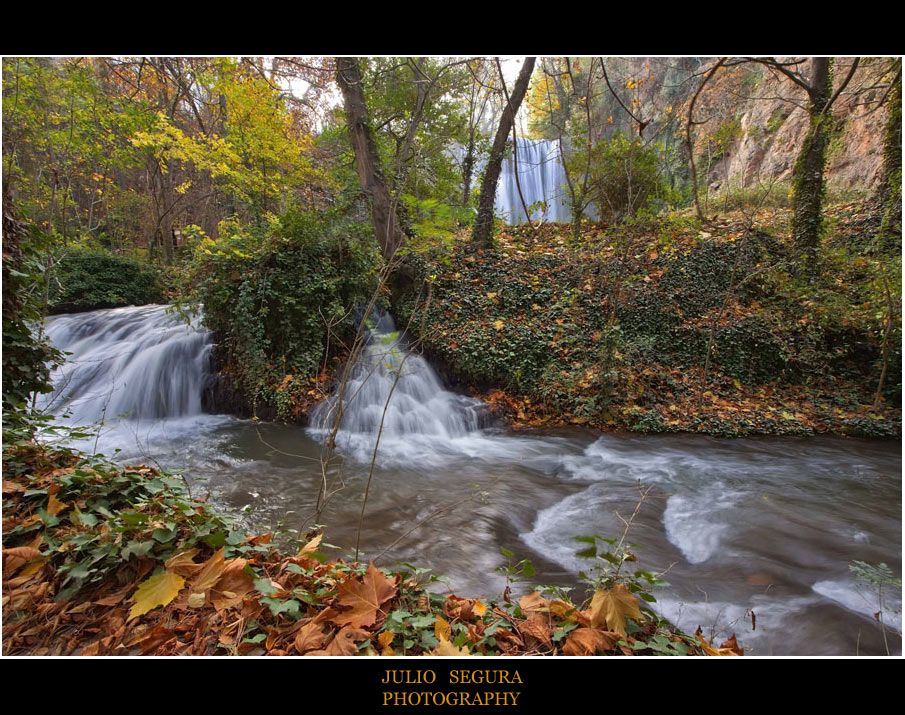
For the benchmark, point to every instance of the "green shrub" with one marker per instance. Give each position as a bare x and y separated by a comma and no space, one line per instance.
91,279
25,356
269,293
625,178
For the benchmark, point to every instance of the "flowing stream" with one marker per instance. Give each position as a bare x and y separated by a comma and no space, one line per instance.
766,526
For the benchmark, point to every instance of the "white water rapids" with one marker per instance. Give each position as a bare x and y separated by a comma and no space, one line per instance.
766,525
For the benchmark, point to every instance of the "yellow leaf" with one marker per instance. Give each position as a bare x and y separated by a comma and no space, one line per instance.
611,608
310,547
442,629
480,608
157,591
445,648
55,506
498,324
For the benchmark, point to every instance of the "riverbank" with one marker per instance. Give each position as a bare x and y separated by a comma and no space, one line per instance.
101,559
667,326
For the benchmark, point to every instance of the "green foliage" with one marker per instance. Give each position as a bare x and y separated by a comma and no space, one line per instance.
270,292
625,178
26,358
111,516
88,279
883,585
721,139
608,558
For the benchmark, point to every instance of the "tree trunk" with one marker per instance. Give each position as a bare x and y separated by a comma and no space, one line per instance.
367,162
483,225
889,192
808,179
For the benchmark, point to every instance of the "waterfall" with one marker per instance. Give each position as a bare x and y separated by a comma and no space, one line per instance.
393,386
542,178
142,363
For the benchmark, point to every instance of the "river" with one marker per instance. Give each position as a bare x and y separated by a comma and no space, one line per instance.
755,536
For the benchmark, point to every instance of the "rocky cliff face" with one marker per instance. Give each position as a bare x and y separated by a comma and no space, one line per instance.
756,121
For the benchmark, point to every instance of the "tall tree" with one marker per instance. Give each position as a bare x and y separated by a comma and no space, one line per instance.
808,175
367,162
483,225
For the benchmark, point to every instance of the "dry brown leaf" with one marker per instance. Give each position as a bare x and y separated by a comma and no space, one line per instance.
537,627
533,602
233,586
210,573
564,610
445,648
364,597
115,598
25,553
732,645
344,643
183,563
310,547
310,637
587,641
611,608
55,506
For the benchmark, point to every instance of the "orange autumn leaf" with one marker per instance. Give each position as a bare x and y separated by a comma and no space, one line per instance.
233,585
364,598
344,643
587,641
210,572
611,608
310,637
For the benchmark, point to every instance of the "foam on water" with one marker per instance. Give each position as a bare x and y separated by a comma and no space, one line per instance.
861,599
136,374
393,394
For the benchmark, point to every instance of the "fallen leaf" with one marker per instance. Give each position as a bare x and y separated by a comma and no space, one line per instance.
587,641
442,629
55,506
233,586
364,597
183,563
157,591
310,547
611,608
344,643
310,637
444,649
533,602
114,599
210,572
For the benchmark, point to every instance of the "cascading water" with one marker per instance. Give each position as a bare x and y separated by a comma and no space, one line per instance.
141,363
766,525
541,177
394,393
129,370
